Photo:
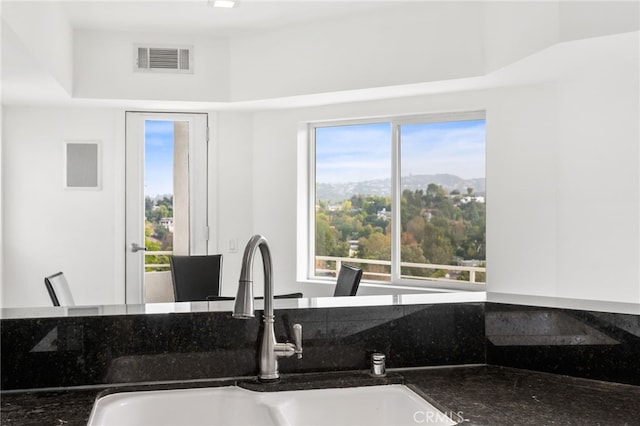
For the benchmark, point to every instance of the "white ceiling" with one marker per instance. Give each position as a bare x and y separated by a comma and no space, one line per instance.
195,16
26,82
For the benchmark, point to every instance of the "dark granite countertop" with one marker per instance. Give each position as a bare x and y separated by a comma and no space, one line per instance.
482,395
506,396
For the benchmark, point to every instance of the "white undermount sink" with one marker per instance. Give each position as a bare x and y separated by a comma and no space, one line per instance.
233,406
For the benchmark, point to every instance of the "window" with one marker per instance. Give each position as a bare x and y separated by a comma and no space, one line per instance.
160,146
403,198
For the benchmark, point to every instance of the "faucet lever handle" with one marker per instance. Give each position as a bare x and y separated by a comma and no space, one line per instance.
297,339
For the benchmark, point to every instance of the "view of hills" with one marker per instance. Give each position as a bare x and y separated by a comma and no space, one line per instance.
381,187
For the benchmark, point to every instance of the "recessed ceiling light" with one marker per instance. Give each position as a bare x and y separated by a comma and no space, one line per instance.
228,4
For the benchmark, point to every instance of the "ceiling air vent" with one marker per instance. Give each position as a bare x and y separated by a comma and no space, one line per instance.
164,59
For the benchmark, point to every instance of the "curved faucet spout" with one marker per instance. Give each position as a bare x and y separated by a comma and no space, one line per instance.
246,273
244,307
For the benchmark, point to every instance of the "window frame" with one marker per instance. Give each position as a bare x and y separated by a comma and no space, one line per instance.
396,195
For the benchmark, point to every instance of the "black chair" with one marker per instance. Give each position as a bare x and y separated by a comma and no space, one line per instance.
196,277
348,281
58,289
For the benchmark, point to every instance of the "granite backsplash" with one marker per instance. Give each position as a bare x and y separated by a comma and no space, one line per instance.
89,350
592,345
100,350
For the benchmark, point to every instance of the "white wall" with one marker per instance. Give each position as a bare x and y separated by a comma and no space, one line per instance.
104,68
2,204
585,19
234,204
515,30
415,43
570,188
51,43
522,191
598,185
49,229
562,183
531,27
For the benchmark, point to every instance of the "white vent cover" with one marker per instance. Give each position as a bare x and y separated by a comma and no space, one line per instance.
164,59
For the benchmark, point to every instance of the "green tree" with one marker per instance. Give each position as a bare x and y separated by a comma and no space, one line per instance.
411,252
325,238
374,203
436,246
377,246
148,204
453,228
416,227
357,201
160,232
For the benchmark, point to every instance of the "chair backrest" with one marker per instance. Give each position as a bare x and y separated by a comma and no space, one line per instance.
58,289
348,281
196,277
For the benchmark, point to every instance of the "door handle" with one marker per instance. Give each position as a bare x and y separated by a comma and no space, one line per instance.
135,247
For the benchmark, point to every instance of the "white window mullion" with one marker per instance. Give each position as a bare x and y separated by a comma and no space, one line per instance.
396,198
312,203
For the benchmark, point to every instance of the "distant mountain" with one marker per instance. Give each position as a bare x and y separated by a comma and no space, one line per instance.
382,187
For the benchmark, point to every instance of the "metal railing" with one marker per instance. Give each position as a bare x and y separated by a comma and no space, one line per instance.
450,270
150,267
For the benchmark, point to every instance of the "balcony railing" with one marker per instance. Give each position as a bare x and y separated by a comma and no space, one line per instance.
153,267
329,266
448,273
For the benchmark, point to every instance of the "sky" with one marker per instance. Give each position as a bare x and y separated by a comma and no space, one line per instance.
353,153
158,160
362,152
